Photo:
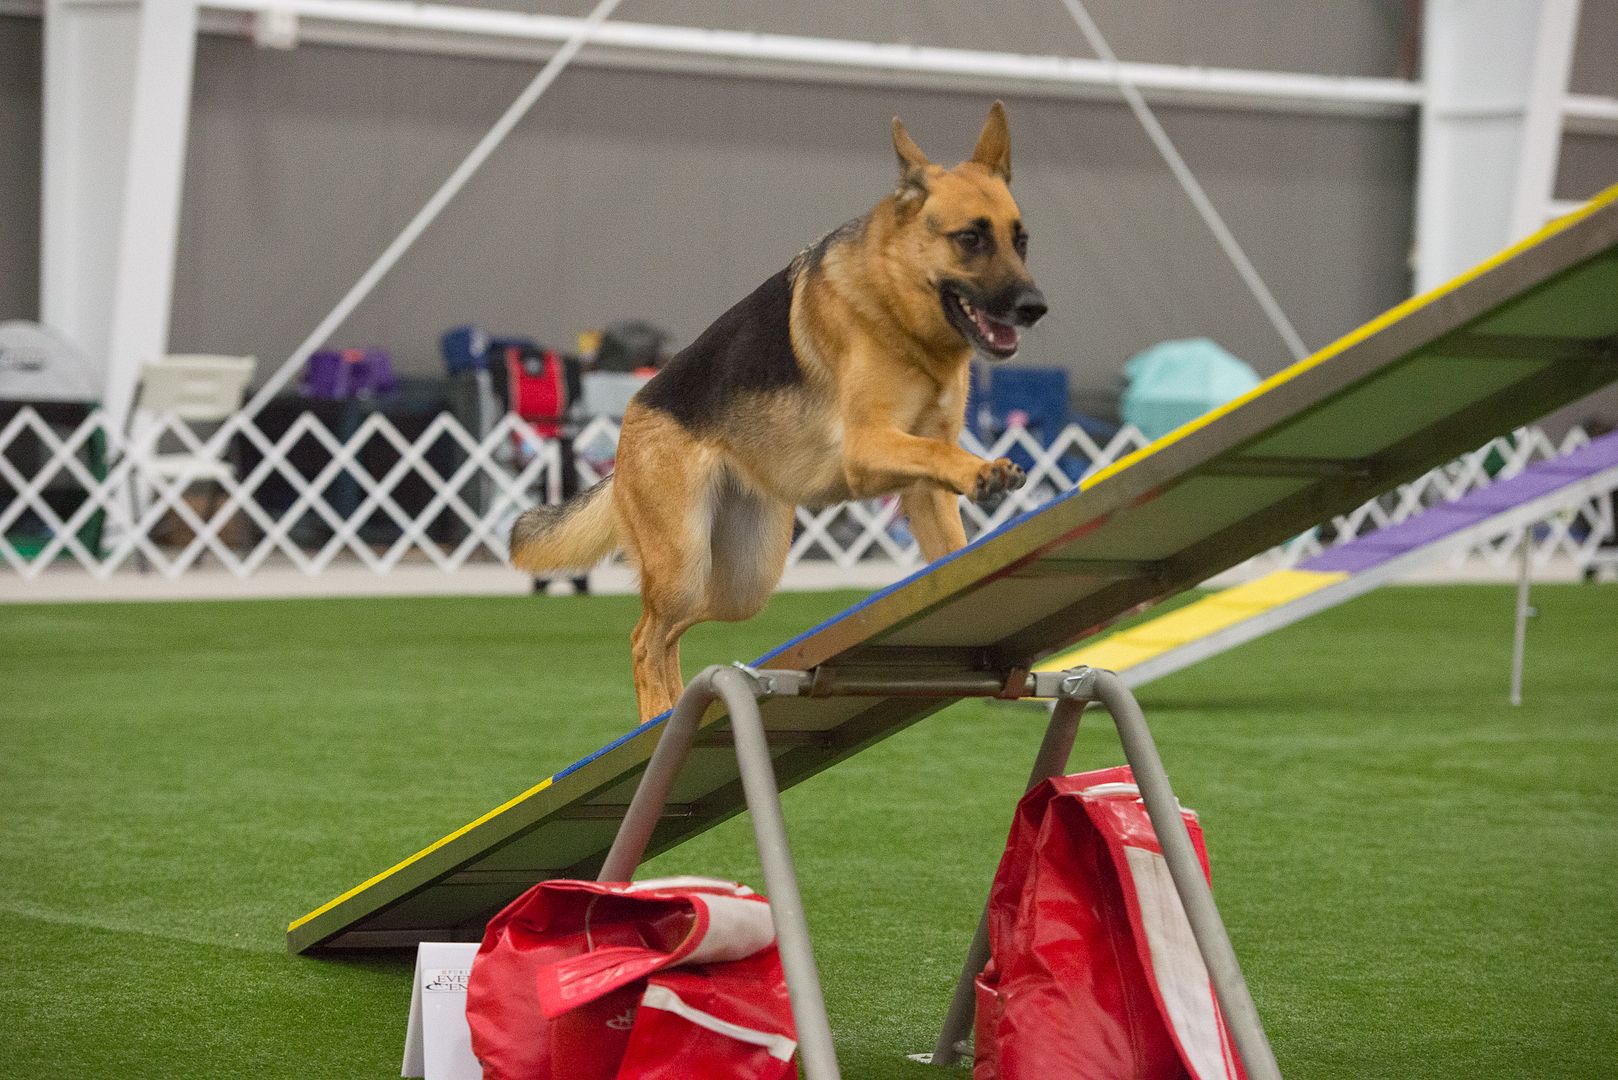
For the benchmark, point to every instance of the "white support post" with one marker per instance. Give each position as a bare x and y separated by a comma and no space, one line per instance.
1543,111
116,104
1496,75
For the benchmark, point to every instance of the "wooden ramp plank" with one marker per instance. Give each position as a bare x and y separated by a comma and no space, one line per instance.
1407,391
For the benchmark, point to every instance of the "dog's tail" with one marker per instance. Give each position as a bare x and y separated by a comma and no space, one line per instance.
574,535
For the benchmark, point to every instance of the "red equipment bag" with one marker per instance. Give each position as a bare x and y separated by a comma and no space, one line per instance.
543,386
677,977
1094,973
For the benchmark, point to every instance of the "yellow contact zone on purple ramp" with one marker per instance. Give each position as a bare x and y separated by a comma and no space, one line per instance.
1195,621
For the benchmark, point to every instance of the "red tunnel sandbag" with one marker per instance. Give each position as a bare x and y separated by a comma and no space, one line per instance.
1094,974
557,985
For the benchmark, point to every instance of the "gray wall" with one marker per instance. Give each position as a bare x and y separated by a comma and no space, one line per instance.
1595,52
19,168
1590,162
669,196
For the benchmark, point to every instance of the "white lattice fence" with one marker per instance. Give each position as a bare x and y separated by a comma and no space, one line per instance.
91,497
309,496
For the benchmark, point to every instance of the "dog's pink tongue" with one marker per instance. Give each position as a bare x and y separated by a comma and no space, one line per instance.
1001,335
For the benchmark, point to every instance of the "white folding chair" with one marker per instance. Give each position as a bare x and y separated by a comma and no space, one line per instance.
195,390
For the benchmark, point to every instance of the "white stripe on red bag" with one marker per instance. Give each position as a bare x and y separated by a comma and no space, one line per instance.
661,997
1177,966
687,881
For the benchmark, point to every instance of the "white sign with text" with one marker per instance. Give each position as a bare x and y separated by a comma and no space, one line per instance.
438,1044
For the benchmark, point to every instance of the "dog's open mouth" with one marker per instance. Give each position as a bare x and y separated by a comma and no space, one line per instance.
997,339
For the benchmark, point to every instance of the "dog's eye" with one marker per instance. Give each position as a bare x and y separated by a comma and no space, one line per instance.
969,241
1020,242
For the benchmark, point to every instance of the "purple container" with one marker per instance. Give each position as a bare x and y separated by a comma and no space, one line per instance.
340,374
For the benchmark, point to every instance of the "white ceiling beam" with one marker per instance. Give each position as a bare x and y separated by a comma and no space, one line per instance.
1590,114
395,25
436,27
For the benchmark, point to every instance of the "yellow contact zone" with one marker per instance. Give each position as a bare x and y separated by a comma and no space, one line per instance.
423,853
1142,642
1354,337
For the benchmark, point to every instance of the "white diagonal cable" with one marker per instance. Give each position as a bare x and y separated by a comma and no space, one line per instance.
1193,189
425,216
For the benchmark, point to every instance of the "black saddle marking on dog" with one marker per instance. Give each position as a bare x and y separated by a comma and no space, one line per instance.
748,349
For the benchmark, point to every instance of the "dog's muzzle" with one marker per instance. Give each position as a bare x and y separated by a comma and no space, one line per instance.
994,324
1028,307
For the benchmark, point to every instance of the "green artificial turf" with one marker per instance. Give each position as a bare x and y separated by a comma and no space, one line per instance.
1421,881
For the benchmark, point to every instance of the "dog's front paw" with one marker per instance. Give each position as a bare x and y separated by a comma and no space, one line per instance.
997,476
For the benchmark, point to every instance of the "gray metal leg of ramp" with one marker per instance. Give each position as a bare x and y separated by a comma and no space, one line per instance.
1241,1016
1076,689
740,692
739,689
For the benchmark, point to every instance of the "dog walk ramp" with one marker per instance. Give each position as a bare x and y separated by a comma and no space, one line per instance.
1233,616
1531,330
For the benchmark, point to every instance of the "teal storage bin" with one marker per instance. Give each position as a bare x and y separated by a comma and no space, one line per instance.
1176,381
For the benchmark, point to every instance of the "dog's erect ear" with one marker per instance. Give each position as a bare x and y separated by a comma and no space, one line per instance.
911,159
994,143
912,162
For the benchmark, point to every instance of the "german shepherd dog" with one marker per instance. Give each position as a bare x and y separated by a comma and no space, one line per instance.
842,377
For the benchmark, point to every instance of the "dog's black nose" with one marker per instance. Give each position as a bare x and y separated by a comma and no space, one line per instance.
1029,306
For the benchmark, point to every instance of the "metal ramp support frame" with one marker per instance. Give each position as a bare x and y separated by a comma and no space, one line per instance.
739,688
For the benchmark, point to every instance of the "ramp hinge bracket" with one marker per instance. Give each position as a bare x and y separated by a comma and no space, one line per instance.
1074,684
776,682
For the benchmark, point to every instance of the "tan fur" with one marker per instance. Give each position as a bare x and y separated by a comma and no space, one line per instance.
574,536
708,519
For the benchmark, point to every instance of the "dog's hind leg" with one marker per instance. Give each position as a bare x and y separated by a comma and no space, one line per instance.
663,490
655,692
671,602
747,537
